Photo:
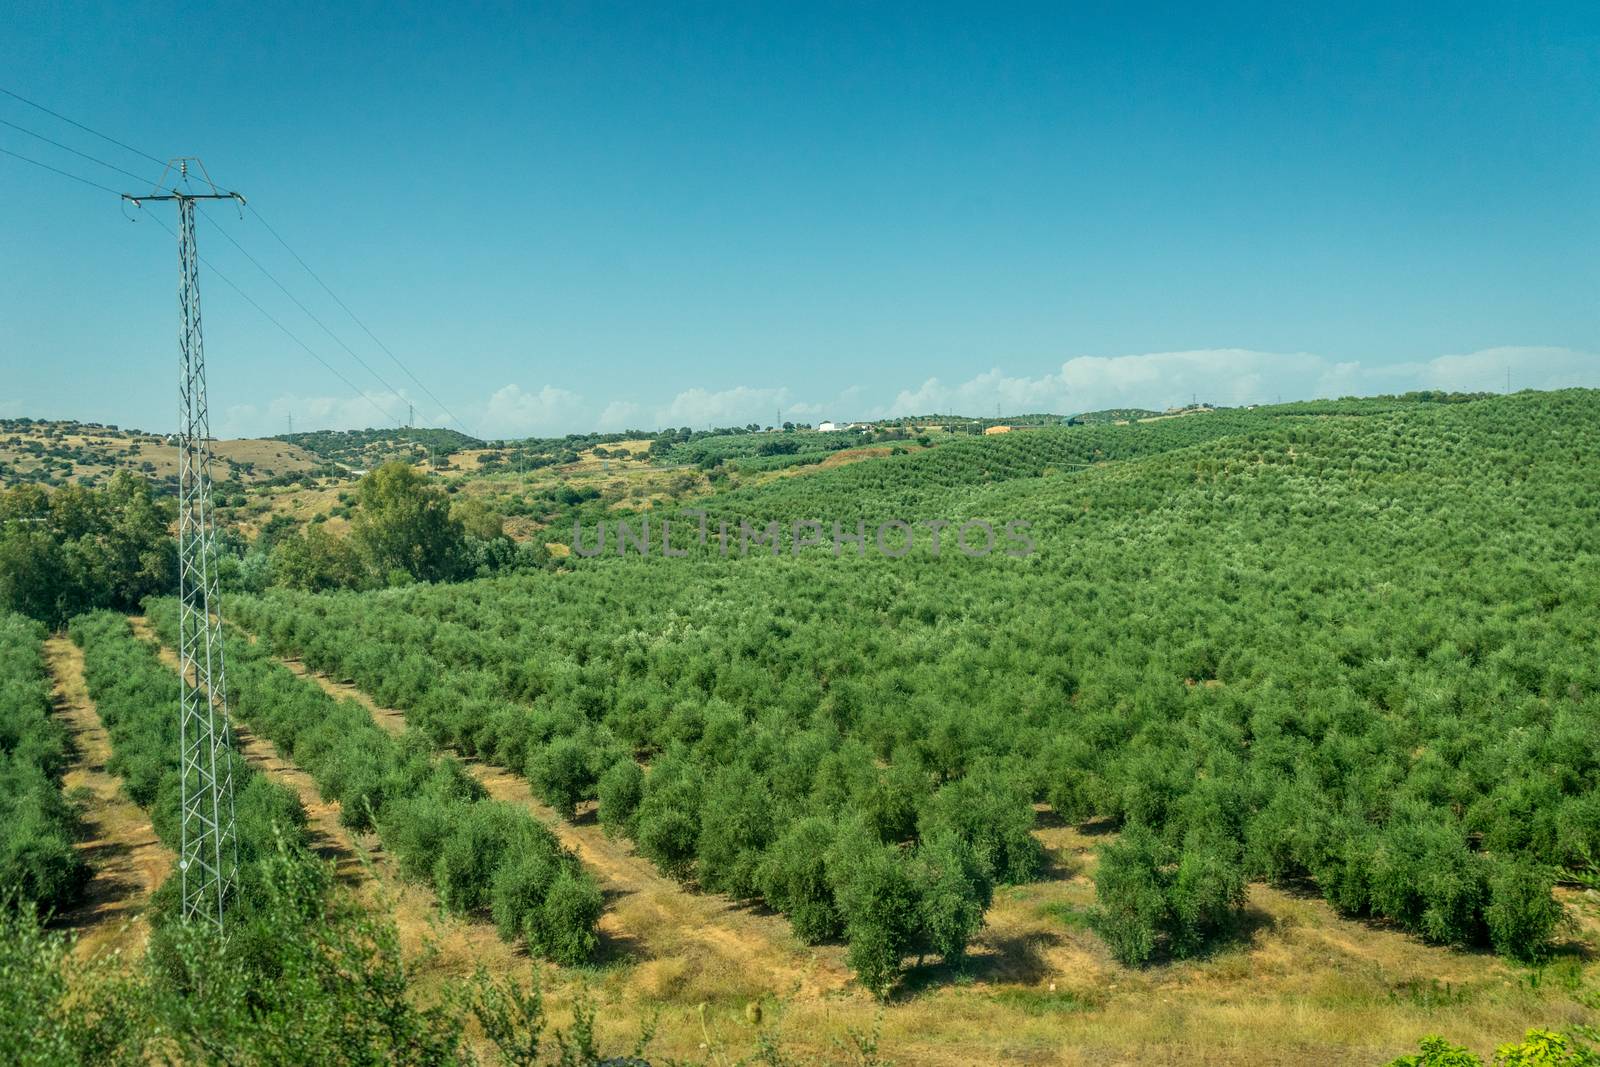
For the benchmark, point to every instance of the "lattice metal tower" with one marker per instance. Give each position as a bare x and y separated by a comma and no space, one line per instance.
208,859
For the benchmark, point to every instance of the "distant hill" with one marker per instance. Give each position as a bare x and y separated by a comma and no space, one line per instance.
1115,415
365,449
64,452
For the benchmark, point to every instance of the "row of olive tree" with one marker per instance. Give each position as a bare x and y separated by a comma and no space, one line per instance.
480,856
38,864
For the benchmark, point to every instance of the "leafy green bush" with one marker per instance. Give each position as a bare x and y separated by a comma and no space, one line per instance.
1131,907
135,696
38,864
1538,1048
1522,915
794,878
621,789
1357,645
1149,892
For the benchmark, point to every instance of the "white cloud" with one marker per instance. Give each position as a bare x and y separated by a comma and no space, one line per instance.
1235,376
1229,376
315,413
700,408
514,412
1531,368
620,415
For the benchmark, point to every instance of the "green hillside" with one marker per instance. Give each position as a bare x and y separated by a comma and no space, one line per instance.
1351,648
368,448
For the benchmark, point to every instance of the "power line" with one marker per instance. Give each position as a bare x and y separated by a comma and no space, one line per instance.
81,126
309,313
387,417
58,170
356,319
277,236
74,151
286,331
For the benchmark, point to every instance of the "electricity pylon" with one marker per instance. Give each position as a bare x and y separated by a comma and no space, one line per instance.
208,859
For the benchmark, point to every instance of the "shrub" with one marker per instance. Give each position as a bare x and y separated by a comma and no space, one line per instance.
1131,904
38,863
992,812
793,876
953,892
1437,1052
1205,895
560,772
878,902
1522,914
464,872
669,816
415,830
569,916
519,888
735,826
1425,878
621,788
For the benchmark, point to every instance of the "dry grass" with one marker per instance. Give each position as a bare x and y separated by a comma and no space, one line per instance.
109,451
1297,985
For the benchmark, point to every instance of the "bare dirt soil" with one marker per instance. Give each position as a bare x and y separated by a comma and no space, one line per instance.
126,860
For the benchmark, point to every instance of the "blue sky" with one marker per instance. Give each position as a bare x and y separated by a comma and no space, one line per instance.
571,216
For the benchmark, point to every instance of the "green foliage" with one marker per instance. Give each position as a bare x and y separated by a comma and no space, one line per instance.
405,525
478,855
1546,1048
668,820
38,864
360,447
735,827
793,877
1133,908
1349,639
1522,915
1151,892
315,560
1425,877
1538,1048
954,889
621,789
1437,1052
560,772
134,694
993,813
309,978
75,549
878,901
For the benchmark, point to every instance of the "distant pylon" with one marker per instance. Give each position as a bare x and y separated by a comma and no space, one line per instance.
208,857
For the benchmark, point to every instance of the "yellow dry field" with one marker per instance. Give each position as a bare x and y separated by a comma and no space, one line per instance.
1301,987
27,454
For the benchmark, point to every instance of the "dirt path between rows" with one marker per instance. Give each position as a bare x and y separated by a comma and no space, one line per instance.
451,943
126,859
327,838
689,937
